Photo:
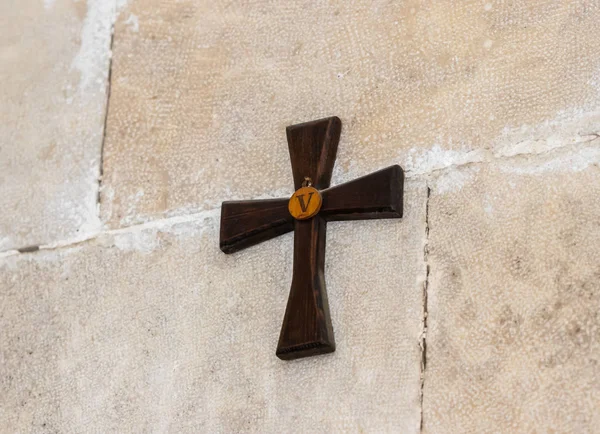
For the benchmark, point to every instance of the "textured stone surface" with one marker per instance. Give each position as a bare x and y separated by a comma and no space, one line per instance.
203,90
156,330
53,69
152,328
513,342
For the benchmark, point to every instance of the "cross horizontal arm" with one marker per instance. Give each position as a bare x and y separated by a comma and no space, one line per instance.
375,196
245,223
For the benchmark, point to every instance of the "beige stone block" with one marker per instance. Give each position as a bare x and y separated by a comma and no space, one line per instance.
202,90
153,328
54,58
513,341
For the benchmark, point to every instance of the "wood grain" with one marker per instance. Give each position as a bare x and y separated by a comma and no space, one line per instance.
248,222
306,329
375,196
313,147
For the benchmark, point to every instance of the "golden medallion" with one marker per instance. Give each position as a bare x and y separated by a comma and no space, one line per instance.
305,203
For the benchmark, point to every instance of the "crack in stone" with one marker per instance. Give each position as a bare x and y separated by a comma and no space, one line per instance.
423,343
212,214
108,88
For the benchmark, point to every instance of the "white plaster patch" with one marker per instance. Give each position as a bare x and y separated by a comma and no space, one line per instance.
454,180
138,240
351,171
48,4
207,220
132,201
107,194
93,56
209,205
575,161
90,213
145,237
419,161
5,241
8,253
568,127
133,23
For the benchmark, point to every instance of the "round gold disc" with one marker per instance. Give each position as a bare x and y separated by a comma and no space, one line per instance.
305,203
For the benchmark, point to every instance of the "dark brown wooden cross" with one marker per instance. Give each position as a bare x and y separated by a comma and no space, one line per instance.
306,329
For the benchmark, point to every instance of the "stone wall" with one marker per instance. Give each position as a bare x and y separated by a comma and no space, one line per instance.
477,312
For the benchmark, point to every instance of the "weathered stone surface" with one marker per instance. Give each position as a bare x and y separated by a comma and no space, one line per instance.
203,90
513,342
154,329
53,69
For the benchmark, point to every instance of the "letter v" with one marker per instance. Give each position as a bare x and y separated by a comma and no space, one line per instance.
301,200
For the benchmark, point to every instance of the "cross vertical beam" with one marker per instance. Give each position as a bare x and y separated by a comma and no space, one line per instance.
306,328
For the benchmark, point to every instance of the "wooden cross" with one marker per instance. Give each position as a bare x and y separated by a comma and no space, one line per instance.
306,329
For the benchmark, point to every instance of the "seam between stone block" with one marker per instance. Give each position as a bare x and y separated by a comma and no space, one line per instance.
566,152
423,342
107,105
489,157
212,214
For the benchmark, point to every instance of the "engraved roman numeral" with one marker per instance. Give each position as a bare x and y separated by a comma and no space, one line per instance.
300,198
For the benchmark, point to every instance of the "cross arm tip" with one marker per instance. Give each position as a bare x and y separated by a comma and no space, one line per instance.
333,121
379,195
245,223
